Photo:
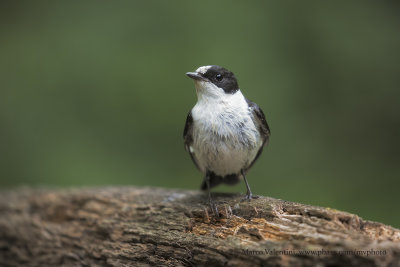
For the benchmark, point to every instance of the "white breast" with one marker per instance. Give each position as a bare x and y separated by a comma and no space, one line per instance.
225,139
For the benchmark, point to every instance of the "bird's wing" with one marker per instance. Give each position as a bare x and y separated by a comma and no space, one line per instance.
262,125
188,137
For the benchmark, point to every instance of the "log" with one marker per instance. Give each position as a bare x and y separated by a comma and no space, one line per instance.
152,226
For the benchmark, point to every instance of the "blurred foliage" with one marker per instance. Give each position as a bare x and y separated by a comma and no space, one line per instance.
94,93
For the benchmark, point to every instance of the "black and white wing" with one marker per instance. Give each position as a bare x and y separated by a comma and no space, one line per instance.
262,125
188,137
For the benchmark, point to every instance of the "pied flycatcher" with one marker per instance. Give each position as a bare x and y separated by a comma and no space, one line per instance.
224,132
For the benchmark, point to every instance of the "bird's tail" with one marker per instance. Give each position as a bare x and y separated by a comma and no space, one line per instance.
215,180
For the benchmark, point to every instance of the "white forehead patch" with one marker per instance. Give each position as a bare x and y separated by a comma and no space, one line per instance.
203,69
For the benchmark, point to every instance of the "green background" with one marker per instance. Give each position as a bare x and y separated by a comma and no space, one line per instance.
95,93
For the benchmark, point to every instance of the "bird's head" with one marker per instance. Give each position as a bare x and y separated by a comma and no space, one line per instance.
214,82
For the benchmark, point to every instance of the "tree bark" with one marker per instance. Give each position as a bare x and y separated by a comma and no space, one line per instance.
153,226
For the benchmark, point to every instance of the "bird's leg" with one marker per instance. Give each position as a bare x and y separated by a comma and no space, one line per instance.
249,195
213,207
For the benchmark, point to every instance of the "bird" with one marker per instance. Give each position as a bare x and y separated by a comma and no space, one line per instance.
224,133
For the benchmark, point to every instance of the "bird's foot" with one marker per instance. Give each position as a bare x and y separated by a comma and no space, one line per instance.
249,196
214,209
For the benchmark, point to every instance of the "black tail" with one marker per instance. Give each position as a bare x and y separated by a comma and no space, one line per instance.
215,180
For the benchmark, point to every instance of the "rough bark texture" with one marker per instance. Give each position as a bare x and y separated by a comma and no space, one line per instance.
151,226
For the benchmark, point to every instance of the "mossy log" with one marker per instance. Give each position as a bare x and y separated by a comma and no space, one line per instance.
162,227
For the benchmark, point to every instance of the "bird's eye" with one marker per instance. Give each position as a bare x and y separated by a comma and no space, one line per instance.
218,77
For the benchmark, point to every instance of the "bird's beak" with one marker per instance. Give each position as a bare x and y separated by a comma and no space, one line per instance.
196,76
